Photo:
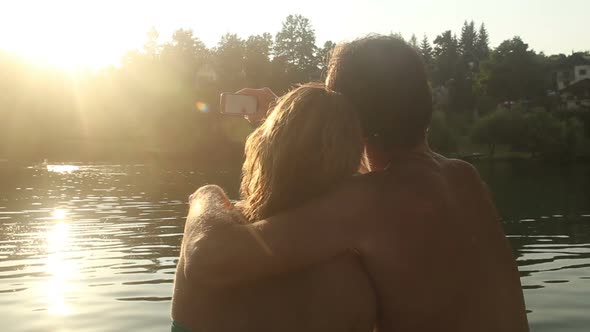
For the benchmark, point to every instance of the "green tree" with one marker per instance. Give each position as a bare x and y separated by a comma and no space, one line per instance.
229,61
446,57
441,137
541,134
573,137
397,35
414,42
513,72
481,100
324,54
151,46
482,44
467,44
257,63
296,49
184,55
463,90
500,127
426,52
450,72
536,131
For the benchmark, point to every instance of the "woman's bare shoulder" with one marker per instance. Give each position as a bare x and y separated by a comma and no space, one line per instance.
212,202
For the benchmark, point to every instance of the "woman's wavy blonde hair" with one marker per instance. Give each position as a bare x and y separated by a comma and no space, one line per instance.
311,141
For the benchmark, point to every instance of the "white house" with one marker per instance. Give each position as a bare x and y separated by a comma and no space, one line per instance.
205,75
580,70
576,96
573,84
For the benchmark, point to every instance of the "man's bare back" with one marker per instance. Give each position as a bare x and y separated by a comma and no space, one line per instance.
426,230
438,256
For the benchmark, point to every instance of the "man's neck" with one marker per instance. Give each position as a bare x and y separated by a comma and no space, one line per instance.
381,160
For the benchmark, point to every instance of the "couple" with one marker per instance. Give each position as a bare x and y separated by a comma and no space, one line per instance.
413,245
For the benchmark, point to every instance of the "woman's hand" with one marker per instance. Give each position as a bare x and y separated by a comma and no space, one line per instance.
266,99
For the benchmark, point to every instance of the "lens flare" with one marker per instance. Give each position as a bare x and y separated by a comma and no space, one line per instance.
202,107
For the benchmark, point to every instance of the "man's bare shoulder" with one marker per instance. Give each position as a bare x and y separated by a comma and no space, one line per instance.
460,167
426,181
360,188
455,171
470,191
464,176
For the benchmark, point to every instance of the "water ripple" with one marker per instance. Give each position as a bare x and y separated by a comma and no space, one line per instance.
98,243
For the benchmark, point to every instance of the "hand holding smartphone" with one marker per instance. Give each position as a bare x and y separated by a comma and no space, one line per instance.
237,104
251,103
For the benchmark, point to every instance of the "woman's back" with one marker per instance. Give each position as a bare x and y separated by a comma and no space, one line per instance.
331,296
334,296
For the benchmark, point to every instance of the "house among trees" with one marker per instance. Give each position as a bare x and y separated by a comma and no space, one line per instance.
573,82
206,74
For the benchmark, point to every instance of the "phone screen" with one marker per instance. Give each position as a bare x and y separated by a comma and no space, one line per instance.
236,104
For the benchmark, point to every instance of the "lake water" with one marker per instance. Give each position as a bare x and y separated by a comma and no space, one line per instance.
94,247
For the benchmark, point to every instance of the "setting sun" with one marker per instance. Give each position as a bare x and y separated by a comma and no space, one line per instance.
70,34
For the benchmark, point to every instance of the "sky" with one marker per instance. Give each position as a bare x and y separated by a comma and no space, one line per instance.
96,33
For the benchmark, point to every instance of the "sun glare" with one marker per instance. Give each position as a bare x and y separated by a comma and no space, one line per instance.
70,34
69,49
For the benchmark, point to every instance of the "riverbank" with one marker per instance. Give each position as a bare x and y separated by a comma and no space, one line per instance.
467,150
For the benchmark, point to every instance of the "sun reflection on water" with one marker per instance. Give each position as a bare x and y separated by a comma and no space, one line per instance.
62,168
60,269
59,214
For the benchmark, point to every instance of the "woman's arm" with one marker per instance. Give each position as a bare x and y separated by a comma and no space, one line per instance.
218,252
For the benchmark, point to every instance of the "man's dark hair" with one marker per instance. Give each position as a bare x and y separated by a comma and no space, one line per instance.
385,79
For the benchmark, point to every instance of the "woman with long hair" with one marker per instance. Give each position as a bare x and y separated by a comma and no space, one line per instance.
309,144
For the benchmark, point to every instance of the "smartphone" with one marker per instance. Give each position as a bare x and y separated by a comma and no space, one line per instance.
236,104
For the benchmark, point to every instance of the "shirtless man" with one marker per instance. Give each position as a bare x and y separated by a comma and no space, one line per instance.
424,226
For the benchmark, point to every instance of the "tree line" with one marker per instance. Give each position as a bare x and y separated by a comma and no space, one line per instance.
162,101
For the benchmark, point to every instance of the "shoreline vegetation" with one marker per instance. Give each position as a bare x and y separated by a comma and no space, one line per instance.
161,103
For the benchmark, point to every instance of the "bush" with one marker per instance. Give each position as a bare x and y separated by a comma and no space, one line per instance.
537,132
440,136
573,138
460,123
499,127
540,134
